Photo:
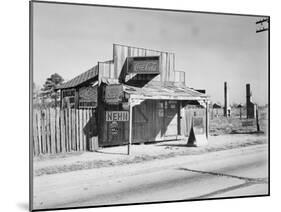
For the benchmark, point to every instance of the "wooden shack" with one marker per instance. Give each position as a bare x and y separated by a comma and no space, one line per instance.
81,91
139,97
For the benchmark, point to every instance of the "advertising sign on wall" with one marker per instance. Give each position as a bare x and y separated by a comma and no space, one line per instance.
87,97
143,65
117,116
114,128
113,94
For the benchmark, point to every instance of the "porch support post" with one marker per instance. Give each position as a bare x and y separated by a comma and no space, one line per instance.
130,125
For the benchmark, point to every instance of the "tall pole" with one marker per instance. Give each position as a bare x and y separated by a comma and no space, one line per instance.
130,125
207,119
248,99
225,99
257,118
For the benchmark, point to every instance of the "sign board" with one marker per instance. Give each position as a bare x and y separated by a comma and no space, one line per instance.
198,125
88,93
113,94
248,123
143,65
88,97
68,93
87,104
196,136
114,128
117,116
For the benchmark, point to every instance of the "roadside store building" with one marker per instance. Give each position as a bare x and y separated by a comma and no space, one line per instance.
138,97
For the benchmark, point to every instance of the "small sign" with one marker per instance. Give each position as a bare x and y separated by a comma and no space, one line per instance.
88,93
114,128
68,92
113,94
117,116
144,65
87,104
247,123
196,135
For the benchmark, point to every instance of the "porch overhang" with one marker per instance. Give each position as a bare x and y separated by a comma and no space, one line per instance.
164,92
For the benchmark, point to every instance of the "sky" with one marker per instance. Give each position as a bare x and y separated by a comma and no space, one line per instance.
210,48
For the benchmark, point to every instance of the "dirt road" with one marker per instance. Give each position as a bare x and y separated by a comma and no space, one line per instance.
235,172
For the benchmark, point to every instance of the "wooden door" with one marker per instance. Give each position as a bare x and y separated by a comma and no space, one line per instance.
140,123
170,122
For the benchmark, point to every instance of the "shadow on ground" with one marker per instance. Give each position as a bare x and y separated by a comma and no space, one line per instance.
250,133
247,182
111,153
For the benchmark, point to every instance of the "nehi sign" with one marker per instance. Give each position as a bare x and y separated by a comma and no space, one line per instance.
117,116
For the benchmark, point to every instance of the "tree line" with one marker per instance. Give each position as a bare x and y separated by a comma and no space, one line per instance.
48,95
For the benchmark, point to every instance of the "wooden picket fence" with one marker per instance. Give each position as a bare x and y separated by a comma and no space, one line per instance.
56,130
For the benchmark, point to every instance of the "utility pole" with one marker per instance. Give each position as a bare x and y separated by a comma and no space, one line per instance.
225,111
262,25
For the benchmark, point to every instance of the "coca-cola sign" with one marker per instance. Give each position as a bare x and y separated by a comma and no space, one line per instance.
144,65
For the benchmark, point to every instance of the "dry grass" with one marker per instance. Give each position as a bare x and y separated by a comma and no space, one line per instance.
233,125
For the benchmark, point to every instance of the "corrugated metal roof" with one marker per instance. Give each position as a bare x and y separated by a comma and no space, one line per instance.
171,92
93,72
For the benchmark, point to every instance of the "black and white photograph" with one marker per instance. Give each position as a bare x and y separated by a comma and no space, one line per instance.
139,105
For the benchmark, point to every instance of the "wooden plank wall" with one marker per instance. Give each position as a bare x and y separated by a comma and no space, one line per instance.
106,70
167,61
148,125
147,122
187,114
59,131
180,77
112,69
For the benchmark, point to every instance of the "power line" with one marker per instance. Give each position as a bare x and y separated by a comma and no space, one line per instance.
262,25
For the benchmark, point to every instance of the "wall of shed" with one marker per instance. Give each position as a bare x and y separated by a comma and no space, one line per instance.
187,113
153,120
106,70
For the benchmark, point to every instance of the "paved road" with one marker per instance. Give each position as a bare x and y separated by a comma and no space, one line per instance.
229,173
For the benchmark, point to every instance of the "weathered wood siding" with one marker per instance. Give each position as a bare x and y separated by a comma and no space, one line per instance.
167,61
59,131
153,120
106,70
113,69
180,77
187,112
106,138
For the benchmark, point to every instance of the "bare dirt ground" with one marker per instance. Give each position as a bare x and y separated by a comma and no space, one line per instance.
225,133
227,173
115,156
